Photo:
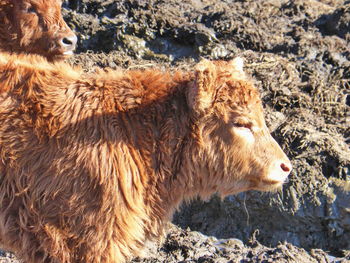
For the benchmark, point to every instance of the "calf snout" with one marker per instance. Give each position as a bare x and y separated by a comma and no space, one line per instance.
68,44
279,171
286,167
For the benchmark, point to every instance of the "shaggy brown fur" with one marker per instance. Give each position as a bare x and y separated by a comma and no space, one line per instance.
93,165
35,26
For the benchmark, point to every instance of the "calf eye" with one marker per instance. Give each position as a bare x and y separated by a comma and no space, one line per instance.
245,125
245,131
30,10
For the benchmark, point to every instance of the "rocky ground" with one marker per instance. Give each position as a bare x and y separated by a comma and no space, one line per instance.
298,52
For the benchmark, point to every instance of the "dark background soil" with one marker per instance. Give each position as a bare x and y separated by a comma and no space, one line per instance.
298,52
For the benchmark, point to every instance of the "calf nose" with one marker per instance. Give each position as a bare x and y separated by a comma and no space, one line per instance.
68,43
286,167
279,171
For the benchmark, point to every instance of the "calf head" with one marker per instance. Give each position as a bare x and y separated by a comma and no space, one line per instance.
36,26
236,148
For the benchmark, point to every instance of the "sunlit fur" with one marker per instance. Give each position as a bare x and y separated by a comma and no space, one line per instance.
92,165
32,26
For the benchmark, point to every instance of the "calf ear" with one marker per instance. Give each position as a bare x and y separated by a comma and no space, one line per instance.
202,90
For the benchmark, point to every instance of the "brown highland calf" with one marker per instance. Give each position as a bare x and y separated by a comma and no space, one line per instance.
92,165
35,26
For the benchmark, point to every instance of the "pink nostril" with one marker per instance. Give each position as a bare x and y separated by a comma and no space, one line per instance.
286,168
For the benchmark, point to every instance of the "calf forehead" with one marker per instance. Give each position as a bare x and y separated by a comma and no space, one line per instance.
48,11
238,94
245,114
43,2
239,99
42,5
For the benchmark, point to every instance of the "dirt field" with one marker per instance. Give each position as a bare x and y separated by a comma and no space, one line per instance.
299,54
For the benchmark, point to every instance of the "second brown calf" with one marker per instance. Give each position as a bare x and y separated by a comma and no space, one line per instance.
35,26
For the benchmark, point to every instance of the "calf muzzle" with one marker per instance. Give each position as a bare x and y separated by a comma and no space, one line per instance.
67,44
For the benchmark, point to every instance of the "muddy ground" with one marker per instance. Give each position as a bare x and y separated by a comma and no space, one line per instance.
298,52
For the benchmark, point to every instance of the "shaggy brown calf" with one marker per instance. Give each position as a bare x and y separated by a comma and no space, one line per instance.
35,26
93,165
